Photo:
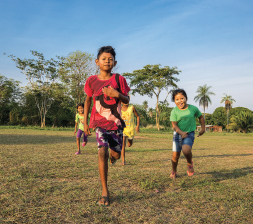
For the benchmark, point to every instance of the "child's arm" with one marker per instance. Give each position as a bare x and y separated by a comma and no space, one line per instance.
138,119
75,128
114,93
177,129
86,112
202,123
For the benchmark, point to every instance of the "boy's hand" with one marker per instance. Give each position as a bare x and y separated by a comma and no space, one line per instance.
184,134
201,133
109,91
74,132
137,129
86,129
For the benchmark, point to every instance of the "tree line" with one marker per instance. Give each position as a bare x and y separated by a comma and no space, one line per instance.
55,86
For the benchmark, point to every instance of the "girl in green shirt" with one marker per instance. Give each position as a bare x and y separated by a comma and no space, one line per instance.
80,127
182,118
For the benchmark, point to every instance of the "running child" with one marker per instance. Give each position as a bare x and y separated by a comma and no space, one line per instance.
79,125
108,91
183,121
127,114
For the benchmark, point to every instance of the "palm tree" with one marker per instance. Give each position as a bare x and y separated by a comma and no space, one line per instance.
228,104
150,111
204,96
145,104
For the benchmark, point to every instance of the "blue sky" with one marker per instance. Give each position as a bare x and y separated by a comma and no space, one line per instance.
210,41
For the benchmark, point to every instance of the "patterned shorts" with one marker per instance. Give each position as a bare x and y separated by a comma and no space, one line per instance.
112,139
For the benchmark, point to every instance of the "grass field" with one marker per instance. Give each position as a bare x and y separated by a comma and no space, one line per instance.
43,181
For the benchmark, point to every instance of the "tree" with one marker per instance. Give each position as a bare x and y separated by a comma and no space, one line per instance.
243,121
228,105
151,80
78,66
145,104
41,75
150,112
10,94
204,96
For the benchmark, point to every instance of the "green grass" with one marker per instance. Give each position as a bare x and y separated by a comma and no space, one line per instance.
42,181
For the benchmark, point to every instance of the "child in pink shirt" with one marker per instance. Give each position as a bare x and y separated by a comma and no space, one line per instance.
108,91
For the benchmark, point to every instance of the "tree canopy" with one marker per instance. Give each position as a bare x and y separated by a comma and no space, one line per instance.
152,80
42,75
77,67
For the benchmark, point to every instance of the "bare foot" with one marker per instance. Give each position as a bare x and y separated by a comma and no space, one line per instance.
129,142
112,160
104,201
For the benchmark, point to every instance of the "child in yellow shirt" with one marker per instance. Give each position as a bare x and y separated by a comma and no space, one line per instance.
127,114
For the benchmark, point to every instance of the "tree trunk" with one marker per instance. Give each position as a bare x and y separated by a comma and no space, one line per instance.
41,118
157,120
227,119
204,113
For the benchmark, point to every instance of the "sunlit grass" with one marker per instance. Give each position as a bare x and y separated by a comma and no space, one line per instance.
43,181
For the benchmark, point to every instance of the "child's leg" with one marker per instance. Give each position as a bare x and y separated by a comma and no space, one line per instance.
78,136
123,150
187,144
187,150
130,142
78,143
174,160
115,140
176,151
103,155
85,139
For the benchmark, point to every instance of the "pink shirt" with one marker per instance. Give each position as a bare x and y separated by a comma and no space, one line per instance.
106,111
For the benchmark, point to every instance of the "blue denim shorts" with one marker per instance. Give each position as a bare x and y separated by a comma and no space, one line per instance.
178,141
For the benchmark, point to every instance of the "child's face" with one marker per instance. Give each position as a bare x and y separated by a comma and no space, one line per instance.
180,101
80,110
106,62
124,105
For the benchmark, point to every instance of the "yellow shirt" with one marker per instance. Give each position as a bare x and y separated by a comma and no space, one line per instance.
128,117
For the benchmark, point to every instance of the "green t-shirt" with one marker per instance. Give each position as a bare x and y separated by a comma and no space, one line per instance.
79,120
185,118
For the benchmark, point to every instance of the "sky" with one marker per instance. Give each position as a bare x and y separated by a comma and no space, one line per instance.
209,41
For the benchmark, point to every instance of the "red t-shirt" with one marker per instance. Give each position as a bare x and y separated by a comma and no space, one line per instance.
106,111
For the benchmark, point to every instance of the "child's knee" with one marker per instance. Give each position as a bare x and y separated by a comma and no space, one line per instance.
175,157
103,152
115,155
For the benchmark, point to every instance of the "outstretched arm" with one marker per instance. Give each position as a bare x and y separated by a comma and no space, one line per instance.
177,129
114,93
202,123
86,112
138,120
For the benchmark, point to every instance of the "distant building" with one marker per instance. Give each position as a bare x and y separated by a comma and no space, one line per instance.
211,128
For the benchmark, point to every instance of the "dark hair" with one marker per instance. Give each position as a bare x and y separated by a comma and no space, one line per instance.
80,105
177,91
106,49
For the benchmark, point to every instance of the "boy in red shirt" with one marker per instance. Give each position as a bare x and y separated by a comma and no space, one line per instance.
108,91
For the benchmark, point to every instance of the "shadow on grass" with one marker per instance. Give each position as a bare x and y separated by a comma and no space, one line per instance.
217,177
224,155
11,139
146,150
230,174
